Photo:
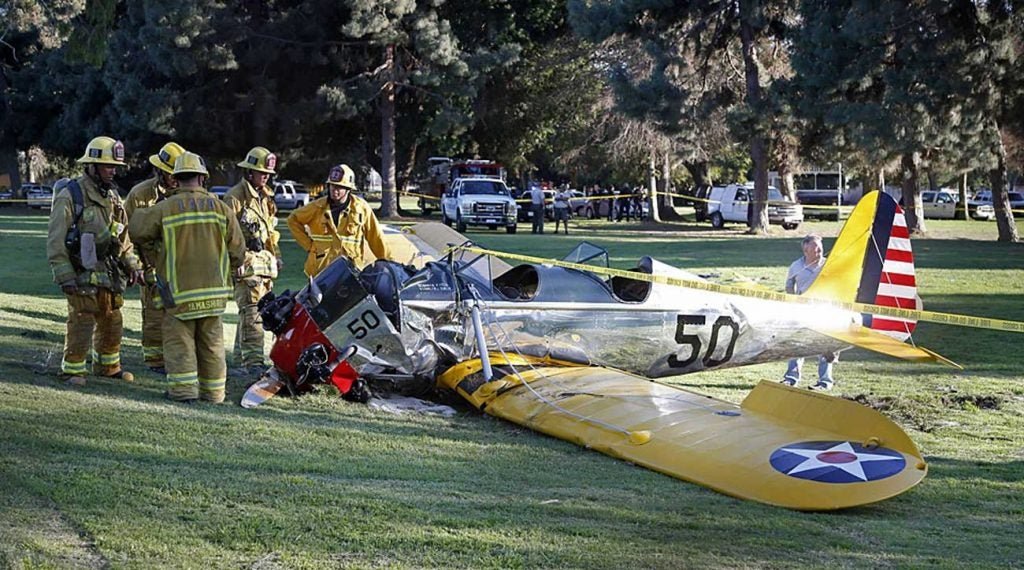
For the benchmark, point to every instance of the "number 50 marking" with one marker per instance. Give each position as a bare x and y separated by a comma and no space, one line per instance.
693,340
363,324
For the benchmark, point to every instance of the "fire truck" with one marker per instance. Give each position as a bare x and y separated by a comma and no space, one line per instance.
443,171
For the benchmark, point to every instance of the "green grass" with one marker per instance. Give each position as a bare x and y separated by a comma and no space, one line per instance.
113,476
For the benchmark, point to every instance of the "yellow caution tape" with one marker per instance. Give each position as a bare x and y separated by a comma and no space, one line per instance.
765,294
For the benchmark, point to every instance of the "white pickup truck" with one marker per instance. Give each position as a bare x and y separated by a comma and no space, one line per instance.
732,204
478,201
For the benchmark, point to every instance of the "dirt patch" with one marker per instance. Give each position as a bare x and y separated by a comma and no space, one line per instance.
901,410
973,401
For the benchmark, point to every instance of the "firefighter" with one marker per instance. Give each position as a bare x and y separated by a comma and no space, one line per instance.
143,195
337,224
252,202
93,260
193,237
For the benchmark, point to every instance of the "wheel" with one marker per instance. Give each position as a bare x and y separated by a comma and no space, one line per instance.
790,226
426,211
359,392
717,221
460,226
445,220
511,229
492,227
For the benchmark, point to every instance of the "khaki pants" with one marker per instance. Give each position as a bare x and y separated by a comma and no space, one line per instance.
249,338
194,358
94,322
152,327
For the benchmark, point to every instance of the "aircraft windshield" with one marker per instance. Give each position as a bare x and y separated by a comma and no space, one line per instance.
585,252
488,187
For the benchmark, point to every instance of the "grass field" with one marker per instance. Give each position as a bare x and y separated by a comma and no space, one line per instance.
112,475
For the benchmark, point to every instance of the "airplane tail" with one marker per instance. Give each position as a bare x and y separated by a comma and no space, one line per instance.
872,262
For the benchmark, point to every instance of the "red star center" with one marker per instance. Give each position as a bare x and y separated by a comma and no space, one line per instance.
836,457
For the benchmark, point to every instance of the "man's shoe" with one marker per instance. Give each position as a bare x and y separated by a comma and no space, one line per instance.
822,385
121,375
788,382
186,401
77,381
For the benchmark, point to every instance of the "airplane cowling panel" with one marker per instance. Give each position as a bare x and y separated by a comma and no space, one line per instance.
785,447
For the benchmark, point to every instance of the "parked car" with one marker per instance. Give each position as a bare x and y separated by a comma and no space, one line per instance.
732,204
1016,201
290,195
478,201
526,209
944,204
38,196
6,197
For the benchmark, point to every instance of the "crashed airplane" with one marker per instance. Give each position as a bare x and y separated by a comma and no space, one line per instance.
573,353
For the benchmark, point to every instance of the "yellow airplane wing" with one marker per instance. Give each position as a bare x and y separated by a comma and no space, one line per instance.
864,337
782,446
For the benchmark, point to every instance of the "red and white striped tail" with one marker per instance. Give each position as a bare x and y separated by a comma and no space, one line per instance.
897,286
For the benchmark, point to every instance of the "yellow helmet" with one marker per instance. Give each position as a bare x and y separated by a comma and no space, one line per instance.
342,175
190,163
103,150
260,160
164,160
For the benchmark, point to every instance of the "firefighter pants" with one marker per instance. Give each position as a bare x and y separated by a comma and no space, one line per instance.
152,327
194,358
249,338
94,322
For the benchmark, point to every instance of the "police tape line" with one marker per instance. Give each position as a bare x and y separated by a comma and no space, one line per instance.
763,294
841,208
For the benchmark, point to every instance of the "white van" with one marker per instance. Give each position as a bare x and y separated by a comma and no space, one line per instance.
732,204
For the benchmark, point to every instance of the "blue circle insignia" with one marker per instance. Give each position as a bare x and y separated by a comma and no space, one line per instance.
837,461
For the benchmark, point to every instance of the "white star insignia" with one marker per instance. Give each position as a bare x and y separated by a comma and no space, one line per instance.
854,467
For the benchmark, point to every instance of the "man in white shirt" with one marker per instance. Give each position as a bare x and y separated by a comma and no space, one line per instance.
537,206
802,274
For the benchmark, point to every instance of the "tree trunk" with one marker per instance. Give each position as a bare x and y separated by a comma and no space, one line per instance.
9,166
653,184
998,179
913,208
786,182
388,198
962,211
750,11
406,174
666,208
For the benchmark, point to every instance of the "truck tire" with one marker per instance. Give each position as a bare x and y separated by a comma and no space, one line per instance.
790,226
511,229
445,220
460,226
717,221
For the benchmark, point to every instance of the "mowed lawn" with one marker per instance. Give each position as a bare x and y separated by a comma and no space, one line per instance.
111,475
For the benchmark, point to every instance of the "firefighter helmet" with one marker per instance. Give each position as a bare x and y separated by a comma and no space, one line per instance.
260,160
103,150
190,163
165,159
342,175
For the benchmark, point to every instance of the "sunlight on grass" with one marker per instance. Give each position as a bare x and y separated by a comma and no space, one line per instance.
114,476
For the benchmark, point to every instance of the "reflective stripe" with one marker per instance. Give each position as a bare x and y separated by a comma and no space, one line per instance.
318,237
181,379
208,385
149,352
110,359
73,367
203,294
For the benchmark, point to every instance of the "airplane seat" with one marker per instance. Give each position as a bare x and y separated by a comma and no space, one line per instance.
631,290
519,283
381,279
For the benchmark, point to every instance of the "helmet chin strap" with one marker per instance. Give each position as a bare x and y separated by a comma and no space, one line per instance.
90,171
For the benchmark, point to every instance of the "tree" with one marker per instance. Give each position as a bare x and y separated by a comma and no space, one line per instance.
681,38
